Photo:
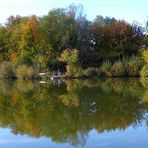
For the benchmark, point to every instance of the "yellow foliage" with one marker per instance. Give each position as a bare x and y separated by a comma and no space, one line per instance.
24,72
145,55
1,58
145,96
70,100
69,56
13,58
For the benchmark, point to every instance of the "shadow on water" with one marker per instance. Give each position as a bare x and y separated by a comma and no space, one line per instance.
68,111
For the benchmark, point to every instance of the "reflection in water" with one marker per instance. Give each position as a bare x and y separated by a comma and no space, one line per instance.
67,112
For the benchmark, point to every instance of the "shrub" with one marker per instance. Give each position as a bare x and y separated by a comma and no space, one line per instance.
106,68
6,70
145,55
144,71
134,66
78,72
25,72
117,69
25,86
91,71
125,62
145,96
144,82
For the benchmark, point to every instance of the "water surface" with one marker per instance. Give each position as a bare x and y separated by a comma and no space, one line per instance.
109,113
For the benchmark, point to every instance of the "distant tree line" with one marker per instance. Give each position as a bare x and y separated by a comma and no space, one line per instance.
39,41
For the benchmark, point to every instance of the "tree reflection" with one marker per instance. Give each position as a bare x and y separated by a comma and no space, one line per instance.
68,112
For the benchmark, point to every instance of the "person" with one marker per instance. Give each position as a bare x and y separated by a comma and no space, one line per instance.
59,73
56,73
53,73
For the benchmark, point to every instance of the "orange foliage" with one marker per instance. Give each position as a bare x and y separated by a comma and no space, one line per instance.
13,58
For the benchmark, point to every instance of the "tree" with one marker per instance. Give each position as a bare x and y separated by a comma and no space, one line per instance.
14,27
60,27
115,39
3,50
70,58
33,48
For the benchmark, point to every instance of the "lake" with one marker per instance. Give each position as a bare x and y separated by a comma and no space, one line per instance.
105,113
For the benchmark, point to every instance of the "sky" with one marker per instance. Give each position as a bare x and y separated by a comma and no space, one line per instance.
129,10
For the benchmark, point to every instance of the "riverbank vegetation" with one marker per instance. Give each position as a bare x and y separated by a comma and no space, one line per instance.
65,39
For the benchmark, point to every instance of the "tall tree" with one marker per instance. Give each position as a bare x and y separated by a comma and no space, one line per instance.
114,39
33,48
3,49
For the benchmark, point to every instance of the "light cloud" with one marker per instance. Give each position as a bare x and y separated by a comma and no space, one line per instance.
5,2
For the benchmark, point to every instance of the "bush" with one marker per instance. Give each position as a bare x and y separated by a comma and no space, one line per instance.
106,68
145,55
25,72
117,69
6,70
91,71
78,72
144,71
144,82
134,66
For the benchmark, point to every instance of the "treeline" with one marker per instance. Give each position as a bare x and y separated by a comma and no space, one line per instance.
38,42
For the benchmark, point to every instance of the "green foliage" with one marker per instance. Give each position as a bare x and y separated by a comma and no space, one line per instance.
125,67
39,41
144,71
70,100
105,68
144,81
25,72
1,58
134,66
6,70
118,69
116,38
69,57
37,111
88,72
3,44
28,42
91,71
78,72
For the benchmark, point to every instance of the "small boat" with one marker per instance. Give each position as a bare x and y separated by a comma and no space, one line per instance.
42,74
42,82
58,77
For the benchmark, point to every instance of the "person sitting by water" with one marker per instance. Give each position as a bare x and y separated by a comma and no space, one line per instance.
53,73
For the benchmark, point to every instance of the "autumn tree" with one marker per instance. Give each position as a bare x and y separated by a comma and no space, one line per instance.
33,48
3,50
39,41
115,39
70,58
60,29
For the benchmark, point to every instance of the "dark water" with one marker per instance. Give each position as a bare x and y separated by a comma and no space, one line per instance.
109,113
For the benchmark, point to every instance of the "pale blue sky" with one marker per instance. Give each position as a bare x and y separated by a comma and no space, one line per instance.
129,10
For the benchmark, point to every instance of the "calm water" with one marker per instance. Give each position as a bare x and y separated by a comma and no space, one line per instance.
109,113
